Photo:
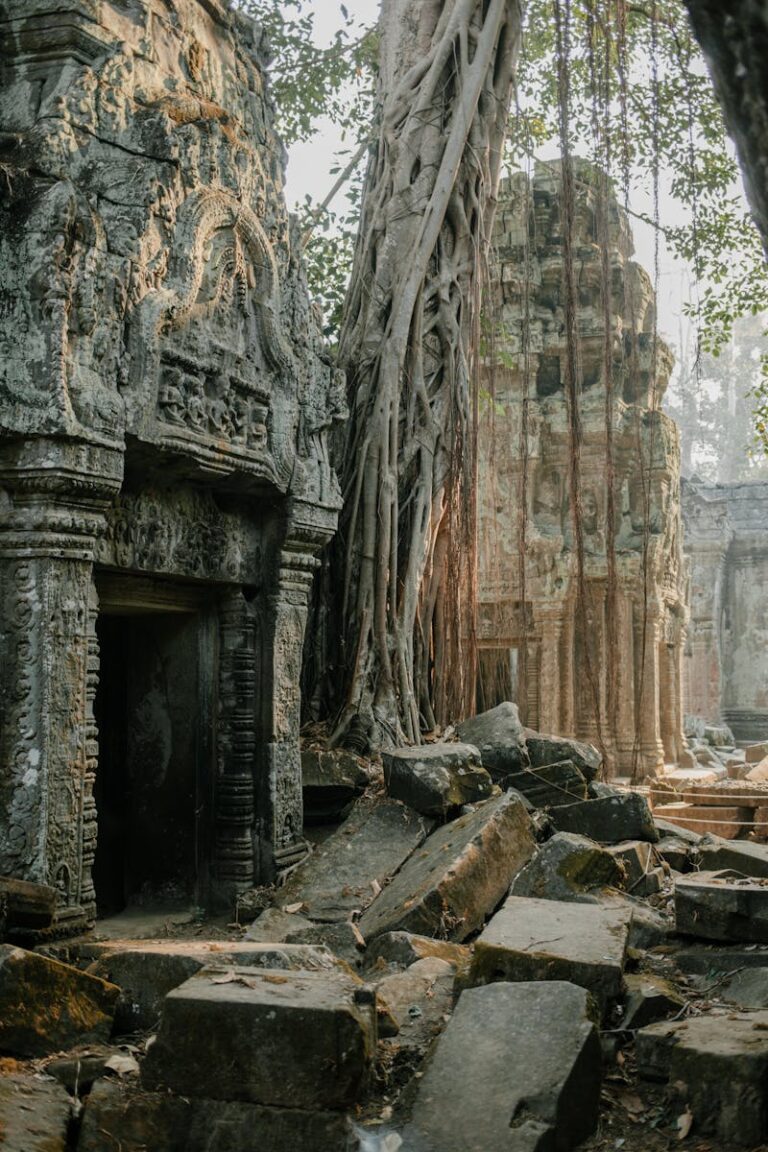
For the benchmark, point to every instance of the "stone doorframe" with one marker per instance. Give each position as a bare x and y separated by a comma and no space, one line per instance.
54,499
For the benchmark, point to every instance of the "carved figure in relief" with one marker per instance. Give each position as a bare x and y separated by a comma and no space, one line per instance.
172,400
197,415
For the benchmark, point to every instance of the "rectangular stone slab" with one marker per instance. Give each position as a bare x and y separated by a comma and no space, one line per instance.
372,843
746,857
46,1006
450,885
531,939
608,819
518,1068
119,1116
723,1063
290,1039
722,906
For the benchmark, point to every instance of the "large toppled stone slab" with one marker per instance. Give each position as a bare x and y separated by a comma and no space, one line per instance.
720,1064
288,1039
457,878
120,1118
436,779
715,855
46,1006
567,867
34,1114
544,750
722,906
500,737
550,786
147,972
344,874
531,939
517,1068
609,819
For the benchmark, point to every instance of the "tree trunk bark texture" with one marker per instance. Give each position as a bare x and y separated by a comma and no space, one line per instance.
734,38
409,342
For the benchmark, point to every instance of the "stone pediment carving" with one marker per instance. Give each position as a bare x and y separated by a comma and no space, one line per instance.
208,356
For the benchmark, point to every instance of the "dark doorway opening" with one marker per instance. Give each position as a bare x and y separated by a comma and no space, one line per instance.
154,774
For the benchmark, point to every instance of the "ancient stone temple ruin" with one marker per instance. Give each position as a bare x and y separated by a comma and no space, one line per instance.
610,673
726,657
164,480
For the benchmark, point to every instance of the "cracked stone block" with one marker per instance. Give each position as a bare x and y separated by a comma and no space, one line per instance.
722,906
344,873
288,1039
436,779
46,1006
719,1065
34,1115
567,867
608,819
544,750
532,939
518,1068
119,1116
457,878
500,737
551,786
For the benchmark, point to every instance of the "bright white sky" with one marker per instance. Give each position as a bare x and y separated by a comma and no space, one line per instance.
310,164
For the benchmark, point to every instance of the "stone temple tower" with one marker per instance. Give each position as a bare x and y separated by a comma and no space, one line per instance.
164,478
602,661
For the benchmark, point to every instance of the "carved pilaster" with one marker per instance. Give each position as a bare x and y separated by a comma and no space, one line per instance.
235,801
48,742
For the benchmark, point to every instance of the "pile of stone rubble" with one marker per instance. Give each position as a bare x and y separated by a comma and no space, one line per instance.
460,966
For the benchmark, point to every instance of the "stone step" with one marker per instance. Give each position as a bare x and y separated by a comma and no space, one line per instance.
288,1039
518,1067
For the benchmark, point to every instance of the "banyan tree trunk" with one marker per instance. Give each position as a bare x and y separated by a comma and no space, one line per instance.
406,548
734,38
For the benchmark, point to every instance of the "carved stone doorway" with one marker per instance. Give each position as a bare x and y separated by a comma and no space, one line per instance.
154,710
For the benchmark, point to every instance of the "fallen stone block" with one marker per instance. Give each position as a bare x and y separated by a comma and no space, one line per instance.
727,793
636,858
500,738
568,867
79,1070
331,779
609,819
727,822
275,925
675,852
406,948
648,929
420,999
449,887
715,855
736,768
758,773
722,906
25,906
755,753
518,1067
748,989
550,786
344,874
720,1065
709,961
46,1006
544,750
342,939
664,828
120,1118
34,1114
531,939
289,1039
436,779
648,999
719,736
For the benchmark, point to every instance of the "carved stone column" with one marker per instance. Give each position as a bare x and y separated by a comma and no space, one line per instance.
550,711
57,493
647,637
283,618
624,726
233,864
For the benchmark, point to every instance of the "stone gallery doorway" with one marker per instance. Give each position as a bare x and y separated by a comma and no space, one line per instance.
154,714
